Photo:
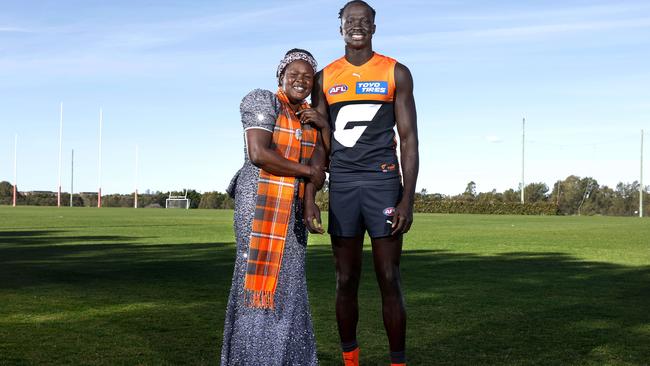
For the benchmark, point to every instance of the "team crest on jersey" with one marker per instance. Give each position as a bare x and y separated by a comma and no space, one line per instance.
385,167
338,89
372,87
389,211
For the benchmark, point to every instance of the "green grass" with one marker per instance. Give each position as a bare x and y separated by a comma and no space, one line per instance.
149,287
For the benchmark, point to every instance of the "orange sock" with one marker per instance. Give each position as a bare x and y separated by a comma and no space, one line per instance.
351,358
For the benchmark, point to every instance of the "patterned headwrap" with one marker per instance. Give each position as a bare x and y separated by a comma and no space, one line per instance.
292,56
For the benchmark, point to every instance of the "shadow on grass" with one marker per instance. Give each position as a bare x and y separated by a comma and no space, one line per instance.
22,239
121,263
522,308
164,304
6,236
112,301
19,237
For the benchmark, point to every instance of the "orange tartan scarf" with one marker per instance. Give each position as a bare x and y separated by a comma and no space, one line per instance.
275,195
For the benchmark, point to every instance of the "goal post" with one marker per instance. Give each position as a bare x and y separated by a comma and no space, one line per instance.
177,201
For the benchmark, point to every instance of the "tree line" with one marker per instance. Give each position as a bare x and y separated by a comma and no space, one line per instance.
214,200
571,196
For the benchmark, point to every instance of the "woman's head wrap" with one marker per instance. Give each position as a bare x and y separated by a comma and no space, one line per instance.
293,55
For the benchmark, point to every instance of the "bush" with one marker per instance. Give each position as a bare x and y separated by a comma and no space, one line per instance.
216,200
470,207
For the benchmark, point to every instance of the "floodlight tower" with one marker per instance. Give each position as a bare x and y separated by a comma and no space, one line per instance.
15,169
641,180
99,167
71,177
523,161
135,200
58,195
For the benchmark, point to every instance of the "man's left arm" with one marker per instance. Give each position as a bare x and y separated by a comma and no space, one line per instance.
311,211
406,119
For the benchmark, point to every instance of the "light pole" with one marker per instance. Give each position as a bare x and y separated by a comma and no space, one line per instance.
58,194
72,177
523,161
641,180
15,169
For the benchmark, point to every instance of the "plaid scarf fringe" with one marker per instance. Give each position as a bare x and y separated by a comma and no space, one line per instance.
259,299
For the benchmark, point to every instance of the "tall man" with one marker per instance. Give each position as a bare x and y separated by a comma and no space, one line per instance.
364,95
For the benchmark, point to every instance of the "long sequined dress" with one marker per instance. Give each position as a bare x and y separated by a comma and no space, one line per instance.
284,335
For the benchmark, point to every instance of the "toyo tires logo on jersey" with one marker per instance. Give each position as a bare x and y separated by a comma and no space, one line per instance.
338,89
372,87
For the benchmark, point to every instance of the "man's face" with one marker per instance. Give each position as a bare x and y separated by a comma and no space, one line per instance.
357,26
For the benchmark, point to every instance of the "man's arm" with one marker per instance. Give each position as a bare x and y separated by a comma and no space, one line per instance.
406,119
319,103
319,158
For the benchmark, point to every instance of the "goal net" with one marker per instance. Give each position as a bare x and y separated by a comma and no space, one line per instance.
177,202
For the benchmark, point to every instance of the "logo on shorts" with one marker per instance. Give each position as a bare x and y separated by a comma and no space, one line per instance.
338,89
372,87
385,167
389,211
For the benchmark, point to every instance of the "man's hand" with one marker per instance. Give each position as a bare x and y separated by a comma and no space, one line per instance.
403,218
313,117
317,176
311,217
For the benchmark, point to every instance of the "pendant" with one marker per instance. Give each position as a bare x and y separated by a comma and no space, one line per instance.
298,134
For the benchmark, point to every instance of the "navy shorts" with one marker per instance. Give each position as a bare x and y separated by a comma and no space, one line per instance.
356,207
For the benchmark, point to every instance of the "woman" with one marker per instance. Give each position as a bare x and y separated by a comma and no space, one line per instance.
268,320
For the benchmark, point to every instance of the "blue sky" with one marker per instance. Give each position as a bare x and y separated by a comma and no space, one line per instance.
169,76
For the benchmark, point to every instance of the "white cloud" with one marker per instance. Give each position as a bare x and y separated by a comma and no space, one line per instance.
550,13
4,29
494,139
517,33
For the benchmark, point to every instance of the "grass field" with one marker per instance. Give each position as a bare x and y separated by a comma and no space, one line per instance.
149,287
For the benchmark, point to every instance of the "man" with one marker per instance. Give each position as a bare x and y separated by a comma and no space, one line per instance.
364,95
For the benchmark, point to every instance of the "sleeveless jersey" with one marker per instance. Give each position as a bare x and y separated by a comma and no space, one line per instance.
362,119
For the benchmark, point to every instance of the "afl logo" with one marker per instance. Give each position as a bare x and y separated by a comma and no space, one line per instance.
338,89
389,211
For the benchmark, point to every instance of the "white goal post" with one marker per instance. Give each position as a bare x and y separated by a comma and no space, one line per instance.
177,201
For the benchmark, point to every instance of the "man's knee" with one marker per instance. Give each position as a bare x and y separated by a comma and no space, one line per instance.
347,282
389,279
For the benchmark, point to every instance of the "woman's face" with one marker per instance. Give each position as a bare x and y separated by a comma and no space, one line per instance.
297,81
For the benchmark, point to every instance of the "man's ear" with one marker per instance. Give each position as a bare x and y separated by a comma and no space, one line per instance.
374,28
341,29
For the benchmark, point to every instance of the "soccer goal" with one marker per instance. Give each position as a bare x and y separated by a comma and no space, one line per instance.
177,201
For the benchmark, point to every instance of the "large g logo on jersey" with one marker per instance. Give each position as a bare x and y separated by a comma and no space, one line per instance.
352,120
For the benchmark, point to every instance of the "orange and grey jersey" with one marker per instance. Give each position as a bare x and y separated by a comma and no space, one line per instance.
362,118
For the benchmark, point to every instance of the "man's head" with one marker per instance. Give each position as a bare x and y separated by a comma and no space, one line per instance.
358,2
357,23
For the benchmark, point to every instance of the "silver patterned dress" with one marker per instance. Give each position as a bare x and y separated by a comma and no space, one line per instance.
283,335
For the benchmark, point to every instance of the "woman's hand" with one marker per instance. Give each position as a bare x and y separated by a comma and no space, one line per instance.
311,217
313,117
317,176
